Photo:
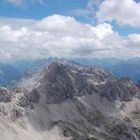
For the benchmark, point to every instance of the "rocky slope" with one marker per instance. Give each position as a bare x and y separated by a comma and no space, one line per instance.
67,101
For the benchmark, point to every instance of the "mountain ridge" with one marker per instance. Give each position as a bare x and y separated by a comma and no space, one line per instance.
70,101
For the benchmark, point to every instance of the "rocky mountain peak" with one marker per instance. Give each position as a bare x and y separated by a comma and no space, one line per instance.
71,101
56,84
62,81
55,69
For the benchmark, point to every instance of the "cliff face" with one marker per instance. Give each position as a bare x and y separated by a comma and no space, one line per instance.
69,101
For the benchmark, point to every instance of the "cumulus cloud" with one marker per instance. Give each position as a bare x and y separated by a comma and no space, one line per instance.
90,10
124,12
134,39
61,36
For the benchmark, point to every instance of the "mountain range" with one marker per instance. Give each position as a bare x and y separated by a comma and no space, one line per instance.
63,100
10,72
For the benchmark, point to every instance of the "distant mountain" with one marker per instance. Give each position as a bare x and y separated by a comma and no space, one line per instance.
24,68
101,63
119,68
68,101
8,73
129,68
26,65
23,65
11,73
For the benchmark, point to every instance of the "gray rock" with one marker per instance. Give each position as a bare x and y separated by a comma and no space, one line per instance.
82,102
5,95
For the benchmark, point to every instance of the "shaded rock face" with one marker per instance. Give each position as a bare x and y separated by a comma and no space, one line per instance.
29,99
5,95
61,83
58,86
122,90
64,82
76,102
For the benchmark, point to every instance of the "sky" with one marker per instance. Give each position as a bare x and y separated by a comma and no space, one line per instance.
32,29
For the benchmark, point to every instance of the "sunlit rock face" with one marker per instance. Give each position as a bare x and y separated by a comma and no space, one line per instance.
67,101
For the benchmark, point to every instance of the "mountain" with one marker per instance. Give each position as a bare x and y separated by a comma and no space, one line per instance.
27,65
11,73
8,73
68,101
127,69
23,65
99,62
119,68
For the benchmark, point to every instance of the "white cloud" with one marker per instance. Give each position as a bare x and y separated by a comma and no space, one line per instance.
92,3
16,23
134,40
80,12
7,34
103,30
90,10
124,12
61,36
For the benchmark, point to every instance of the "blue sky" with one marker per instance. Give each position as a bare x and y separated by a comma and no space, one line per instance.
38,11
65,28
34,10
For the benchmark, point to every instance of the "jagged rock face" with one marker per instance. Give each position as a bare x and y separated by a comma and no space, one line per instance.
122,90
64,82
75,99
58,79
29,99
5,95
70,101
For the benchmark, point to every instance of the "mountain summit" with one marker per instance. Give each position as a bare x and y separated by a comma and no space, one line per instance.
68,101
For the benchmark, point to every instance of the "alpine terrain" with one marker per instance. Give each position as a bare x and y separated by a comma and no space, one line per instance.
68,101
